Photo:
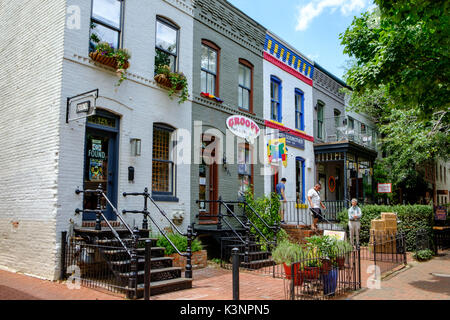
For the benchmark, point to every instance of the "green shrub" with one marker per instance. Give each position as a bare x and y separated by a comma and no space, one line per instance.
412,217
268,208
423,255
179,241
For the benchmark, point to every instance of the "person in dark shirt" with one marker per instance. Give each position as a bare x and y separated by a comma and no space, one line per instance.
280,188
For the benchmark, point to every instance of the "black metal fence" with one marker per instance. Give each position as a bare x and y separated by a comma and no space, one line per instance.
441,238
300,214
320,277
99,267
385,251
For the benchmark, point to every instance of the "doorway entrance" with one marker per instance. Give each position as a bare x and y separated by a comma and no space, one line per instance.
208,182
101,162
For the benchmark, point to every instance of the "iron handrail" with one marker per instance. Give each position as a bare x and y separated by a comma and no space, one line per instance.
100,212
250,222
232,214
147,195
259,217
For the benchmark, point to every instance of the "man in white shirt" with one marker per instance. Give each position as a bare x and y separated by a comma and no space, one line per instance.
314,205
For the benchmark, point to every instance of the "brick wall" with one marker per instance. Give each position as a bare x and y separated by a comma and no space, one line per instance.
237,36
32,40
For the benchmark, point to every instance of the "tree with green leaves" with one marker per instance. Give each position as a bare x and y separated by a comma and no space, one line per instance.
400,76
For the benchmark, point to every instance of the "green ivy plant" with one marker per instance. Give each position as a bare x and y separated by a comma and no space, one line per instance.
177,80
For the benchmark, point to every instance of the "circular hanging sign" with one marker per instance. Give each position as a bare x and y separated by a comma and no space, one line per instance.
243,127
332,184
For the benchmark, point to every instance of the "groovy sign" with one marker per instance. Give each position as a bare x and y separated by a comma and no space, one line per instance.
243,127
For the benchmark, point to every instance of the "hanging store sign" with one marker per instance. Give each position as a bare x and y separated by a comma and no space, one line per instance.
277,151
293,141
385,188
243,127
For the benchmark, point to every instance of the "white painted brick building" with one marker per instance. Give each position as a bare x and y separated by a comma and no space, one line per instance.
46,46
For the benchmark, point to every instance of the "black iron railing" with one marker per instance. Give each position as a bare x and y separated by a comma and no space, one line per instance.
320,276
386,251
190,235
253,244
130,249
300,214
441,238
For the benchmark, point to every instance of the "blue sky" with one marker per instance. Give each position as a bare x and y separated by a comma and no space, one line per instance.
311,26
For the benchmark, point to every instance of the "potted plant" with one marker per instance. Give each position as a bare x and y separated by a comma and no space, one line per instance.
173,81
342,249
114,58
288,254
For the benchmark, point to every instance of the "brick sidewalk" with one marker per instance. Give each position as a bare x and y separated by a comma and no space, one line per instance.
14,286
213,283
414,283
209,284
216,284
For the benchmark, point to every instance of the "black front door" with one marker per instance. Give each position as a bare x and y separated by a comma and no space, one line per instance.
100,166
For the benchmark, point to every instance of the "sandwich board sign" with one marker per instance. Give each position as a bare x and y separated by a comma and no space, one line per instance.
81,106
339,235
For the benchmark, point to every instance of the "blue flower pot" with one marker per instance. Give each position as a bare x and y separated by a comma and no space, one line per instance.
330,282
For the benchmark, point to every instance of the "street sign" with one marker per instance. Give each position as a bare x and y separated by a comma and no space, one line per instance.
385,188
81,106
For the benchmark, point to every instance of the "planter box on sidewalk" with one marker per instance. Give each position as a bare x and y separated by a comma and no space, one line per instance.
199,260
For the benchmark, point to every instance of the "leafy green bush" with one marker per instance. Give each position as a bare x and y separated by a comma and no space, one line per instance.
412,217
268,208
179,241
423,255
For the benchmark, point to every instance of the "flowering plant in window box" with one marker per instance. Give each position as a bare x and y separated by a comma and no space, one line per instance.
115,58
210,96
174,81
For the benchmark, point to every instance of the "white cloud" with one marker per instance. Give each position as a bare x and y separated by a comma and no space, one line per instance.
307,13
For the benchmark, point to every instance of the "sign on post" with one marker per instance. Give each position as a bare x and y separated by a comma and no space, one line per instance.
385,188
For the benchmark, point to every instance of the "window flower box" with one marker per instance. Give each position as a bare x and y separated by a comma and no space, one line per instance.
107,61
210,96
113,58
173,81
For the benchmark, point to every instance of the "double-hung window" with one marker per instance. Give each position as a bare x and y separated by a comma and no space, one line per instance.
275,98
320,107
209,68
163,167
106,22
299,109
166,45
245,85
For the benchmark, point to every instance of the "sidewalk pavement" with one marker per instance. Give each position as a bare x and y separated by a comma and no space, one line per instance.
15,286
211,283
419,281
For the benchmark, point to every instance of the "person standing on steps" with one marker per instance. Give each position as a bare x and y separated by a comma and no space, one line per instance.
280,189
315,204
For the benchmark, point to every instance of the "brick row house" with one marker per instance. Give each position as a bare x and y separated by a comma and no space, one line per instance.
247,88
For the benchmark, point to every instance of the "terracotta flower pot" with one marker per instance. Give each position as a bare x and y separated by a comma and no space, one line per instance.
326,265
340,262
298,278
311,272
